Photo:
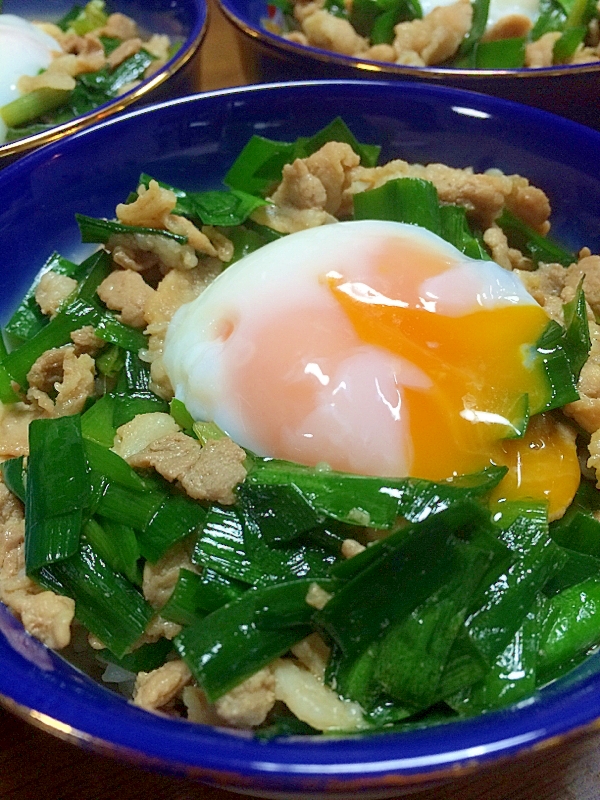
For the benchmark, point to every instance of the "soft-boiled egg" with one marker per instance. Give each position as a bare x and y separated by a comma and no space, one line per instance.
373,346
24,50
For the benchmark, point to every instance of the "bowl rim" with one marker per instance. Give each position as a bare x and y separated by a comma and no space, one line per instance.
382,762
118,104
275,44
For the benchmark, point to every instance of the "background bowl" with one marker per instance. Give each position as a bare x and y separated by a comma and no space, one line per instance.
191,142
571,90
183,20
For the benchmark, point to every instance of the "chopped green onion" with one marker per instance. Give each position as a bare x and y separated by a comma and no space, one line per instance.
109,43
225,208
228,646
213,208
551,17
112,467
404,575
353,678
509,597
57,477
95,88
125,505
570,625
185,203
105,602
110,362
565,47
455,229
97,422
500,54
79,312
132,69
466,51
247,239
135,377
369,501
176,518
127,406
562,384
182,416
117,545
282,512
579,12
220,546
86,19
32,105
410,200
284,725
335,7
282,562
337,131
14,474
65,21
579,529
58,488
578,567
259,165
100,230
28,319
375,19
577,331
540,248
261,162
207,431
146,658
7,392
511,678
196,595
464,667
412,656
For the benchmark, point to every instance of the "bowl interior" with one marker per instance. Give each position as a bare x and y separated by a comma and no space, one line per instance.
182,20
190,143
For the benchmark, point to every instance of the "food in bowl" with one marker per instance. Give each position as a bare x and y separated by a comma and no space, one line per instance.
433,538
53,72
451,33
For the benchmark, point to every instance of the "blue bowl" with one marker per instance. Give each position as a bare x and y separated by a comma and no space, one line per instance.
183,20
572,90
191,142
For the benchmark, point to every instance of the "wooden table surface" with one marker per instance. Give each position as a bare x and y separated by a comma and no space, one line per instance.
36,766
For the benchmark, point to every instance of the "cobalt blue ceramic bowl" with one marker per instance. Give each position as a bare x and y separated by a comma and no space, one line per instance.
191,142
183,20
571,90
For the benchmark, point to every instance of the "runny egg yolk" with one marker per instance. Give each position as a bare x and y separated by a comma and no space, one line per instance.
543,465
379,349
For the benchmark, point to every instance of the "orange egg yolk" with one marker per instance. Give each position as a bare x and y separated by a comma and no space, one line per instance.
543,465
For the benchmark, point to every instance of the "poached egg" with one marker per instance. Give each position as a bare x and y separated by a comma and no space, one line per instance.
377,348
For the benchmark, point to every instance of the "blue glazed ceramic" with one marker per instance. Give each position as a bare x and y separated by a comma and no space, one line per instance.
571,90
191,142
183,20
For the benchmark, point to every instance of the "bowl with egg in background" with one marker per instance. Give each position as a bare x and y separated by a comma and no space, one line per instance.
182,22
320,44
191,142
